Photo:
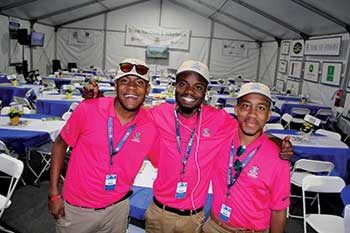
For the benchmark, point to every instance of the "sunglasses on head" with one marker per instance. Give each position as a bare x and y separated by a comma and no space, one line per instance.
127,67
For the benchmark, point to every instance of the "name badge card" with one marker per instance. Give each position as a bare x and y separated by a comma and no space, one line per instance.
225,213
110,182
181,190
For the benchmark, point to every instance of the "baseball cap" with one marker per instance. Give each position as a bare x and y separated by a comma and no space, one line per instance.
194,66
133,66
253,87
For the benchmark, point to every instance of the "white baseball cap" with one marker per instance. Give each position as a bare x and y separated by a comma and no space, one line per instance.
194,66
133,66
252,87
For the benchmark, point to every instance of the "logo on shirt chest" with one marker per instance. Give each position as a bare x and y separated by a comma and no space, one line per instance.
137,137
206,132
254,172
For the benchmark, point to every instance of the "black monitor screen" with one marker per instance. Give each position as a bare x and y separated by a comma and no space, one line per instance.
37,39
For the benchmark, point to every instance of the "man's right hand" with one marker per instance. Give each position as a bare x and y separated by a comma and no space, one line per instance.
56,208
90,90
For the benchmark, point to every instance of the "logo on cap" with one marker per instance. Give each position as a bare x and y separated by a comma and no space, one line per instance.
256,86
196,66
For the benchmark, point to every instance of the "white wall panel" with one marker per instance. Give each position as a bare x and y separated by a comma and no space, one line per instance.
83,55
268,63
222,31
94,22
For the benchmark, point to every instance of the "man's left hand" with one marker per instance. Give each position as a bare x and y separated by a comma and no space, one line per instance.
287,150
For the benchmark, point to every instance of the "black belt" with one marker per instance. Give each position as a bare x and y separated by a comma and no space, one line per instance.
176,211
126,196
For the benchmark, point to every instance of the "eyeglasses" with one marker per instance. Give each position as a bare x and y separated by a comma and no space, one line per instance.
238,164
127,67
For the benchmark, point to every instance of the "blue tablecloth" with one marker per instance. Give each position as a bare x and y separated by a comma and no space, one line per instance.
142,198
8,92
3,79
287,97
288,105
345,195
18,140
53,107
218,87
339,156
59,81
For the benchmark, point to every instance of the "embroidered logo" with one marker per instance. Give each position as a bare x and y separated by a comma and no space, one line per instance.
206,132
136,137
253,172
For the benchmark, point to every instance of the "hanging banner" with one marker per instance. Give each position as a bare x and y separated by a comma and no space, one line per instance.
81,37
144,36
234,48
326,46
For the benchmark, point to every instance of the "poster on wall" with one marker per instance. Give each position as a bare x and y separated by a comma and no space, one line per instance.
234,48
324,47
285,47
295,69
297,49
311,71
280,85
282,67
331,72
292,87
145,36
81,37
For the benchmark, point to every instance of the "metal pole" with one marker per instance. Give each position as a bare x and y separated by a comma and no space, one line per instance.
258,65
346,76
277,63
210,41
104,41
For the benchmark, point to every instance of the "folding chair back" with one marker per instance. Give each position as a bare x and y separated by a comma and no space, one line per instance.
14,168
287,118
314,166
347,219
273,126
322,184
328,133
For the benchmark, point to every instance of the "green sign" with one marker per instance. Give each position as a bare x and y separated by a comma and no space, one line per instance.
311,68
330,73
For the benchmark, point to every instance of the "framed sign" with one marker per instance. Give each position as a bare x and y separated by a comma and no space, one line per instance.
292,87
282,66
295,69
325,47
280,85
297,49
311,71
285,47
331,73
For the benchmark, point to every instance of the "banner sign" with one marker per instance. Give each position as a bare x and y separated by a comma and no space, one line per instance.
331,72
234,48
144,36
81,37
327,46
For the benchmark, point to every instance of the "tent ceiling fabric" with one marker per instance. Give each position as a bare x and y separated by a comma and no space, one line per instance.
262,20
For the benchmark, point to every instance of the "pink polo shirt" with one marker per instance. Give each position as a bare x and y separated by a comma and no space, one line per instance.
213,127
87,132
263,185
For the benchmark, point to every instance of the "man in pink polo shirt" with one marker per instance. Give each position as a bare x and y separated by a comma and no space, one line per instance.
110,138
251,184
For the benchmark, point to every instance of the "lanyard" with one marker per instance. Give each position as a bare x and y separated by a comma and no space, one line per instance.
122,141
190,143
232,180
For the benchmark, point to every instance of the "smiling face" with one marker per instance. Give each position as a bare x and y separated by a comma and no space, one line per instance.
253,111
131,92
190,92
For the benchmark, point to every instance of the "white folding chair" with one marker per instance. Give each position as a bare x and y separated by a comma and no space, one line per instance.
324,115
328,133
273,126
347,219
306,167
5,110
298,114
66,116
286,118
13,168
49,85
73,106
322,223
23,101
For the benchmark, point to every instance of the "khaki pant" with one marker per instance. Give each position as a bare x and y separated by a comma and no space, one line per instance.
210,226
113,219
162,221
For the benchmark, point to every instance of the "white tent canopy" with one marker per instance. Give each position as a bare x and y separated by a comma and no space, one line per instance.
234,37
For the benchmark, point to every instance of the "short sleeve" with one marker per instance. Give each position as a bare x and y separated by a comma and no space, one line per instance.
74,126
153,155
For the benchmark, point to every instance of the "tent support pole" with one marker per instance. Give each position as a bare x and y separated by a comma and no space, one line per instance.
259,60
210,41
346,76
105,18
277,62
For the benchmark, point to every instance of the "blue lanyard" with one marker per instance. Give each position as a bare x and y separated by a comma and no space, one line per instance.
232,180
190,143
122,141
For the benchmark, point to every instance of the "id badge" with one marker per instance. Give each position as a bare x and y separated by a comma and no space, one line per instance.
181,190
110,182
225,213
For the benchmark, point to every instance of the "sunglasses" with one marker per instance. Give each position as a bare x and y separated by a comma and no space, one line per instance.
238,164
127,67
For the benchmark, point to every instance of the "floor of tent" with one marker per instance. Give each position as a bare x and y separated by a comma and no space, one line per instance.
28,212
